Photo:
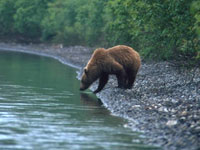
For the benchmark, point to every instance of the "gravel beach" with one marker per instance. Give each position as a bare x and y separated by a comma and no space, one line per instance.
164,103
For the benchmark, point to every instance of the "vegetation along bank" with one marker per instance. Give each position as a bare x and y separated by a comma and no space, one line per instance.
157,29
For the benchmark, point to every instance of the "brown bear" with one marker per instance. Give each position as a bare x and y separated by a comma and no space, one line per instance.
121,60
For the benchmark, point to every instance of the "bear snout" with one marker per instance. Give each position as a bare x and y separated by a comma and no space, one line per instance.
82,87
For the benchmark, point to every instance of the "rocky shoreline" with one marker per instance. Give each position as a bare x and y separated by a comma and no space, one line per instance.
164,102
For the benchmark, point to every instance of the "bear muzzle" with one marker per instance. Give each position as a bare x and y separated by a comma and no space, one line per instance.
82,87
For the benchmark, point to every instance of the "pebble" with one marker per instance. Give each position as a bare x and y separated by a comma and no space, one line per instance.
171,122
136,106
184,113
163,109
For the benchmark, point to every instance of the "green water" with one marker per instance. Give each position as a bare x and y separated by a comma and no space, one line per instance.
41,108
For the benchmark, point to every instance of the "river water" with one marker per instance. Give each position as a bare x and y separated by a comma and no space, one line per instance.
41,108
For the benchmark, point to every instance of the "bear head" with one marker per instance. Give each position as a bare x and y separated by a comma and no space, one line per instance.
88,77
93,69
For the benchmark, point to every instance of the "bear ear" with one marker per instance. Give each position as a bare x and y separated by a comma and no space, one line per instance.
86,71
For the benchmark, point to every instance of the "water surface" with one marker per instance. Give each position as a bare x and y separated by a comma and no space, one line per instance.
41,108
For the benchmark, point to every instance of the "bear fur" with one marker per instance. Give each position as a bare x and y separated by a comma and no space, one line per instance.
121,60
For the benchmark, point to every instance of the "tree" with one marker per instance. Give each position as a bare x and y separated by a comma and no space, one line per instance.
161,29
90,21
29,15
7,11
58,24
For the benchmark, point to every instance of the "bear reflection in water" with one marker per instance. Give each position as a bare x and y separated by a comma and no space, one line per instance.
88,99
121,60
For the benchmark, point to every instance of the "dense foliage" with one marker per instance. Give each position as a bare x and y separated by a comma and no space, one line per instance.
158,29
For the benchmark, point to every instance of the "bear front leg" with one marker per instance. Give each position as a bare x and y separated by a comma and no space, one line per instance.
102,82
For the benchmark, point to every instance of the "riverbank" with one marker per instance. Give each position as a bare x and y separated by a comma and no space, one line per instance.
164,102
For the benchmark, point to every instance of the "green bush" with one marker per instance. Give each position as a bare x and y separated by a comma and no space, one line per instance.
74,22
59,21
7,11
161,29
28,16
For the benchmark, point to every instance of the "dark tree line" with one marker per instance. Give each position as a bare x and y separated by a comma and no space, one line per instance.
164,29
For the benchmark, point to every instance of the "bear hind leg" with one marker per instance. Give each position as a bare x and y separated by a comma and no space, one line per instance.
122,78
131,80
